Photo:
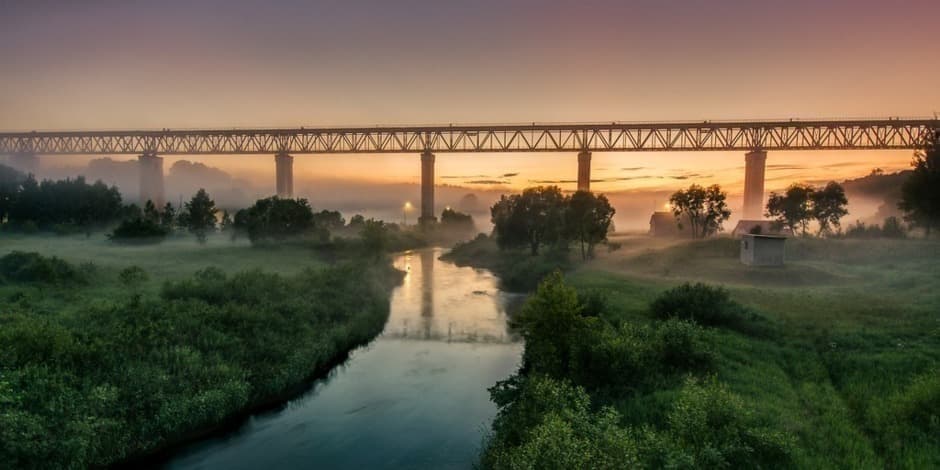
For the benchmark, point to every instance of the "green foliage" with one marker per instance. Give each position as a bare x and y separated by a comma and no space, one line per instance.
920,193
518,272
587,220
133,276
328,220
375,236
829,207
454,221
199,215
711,427
32,267
704,208
110,379
274,219
533,218
138,230
68,202
802,203
697,302
548,424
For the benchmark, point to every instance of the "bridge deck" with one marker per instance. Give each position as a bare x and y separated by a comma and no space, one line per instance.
617,137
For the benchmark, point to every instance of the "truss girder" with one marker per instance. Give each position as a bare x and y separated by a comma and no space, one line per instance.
614,137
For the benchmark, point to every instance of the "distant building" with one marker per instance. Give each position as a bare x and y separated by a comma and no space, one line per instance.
758,227
762,250
663,224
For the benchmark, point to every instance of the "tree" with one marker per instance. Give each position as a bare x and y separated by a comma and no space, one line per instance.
168,217
374,235
151,213
829,206
532,218
225,225
704,208
792,209
920,193
457,221
274,218
199,215
588,219
329,220
357,221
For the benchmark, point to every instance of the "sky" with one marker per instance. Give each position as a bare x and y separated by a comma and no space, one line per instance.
107,64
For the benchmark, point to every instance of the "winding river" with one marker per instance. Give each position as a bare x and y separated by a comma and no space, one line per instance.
416,397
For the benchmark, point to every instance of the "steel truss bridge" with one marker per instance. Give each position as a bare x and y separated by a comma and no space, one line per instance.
535,137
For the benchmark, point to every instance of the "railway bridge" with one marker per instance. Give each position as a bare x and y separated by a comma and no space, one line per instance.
755,138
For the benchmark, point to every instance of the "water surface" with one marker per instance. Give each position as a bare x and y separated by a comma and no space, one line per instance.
414,398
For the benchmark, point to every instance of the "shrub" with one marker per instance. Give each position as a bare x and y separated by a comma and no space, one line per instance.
551,426
132,276
21,266
138,230
711,427
698,302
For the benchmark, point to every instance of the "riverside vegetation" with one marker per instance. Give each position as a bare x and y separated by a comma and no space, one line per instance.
105,361
830,361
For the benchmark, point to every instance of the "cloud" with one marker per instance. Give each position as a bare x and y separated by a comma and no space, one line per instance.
633,168
460,177
509,175
552,181
486,182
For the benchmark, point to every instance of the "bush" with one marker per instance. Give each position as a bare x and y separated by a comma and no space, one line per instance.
138,230
550,425
274,219
132,276
710,427
20,266
701,303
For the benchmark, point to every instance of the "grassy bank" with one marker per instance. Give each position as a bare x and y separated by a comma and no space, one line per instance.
102,362
829,362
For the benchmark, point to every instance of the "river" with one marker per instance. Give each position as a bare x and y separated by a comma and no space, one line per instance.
416,397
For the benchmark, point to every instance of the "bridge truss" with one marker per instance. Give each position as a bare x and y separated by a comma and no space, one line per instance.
614,137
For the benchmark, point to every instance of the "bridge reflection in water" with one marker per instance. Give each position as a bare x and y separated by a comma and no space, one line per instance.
416,397
478,315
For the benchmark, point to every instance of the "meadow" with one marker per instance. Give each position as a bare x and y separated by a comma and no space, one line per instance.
110,353
831,361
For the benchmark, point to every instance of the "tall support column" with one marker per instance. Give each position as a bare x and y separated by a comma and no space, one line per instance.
284,168
584,171
427,188
755,162
151,179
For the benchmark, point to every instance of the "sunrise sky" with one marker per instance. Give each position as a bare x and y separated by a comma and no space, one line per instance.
98,64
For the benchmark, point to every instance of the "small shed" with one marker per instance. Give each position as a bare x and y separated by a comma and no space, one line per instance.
762,250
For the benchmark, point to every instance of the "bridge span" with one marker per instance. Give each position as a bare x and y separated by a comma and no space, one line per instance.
753,137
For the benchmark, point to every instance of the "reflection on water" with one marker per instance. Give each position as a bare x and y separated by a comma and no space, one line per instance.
414,398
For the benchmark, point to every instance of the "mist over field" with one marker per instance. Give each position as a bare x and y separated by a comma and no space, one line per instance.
237,185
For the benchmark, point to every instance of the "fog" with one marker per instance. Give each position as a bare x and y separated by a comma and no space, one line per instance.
871,197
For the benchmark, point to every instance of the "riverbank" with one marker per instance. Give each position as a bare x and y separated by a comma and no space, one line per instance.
830,361
113,353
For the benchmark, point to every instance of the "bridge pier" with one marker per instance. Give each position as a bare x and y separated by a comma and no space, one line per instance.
284,169
584,171
754,164
151,179
427,189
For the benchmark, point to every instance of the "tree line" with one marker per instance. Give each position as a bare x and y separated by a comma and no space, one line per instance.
544,216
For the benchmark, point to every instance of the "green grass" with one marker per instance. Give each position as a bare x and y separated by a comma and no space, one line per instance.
848,359
97,368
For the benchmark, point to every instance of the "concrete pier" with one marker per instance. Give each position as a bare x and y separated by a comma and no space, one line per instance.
151,180
284,169
584,171
427,189
755,162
